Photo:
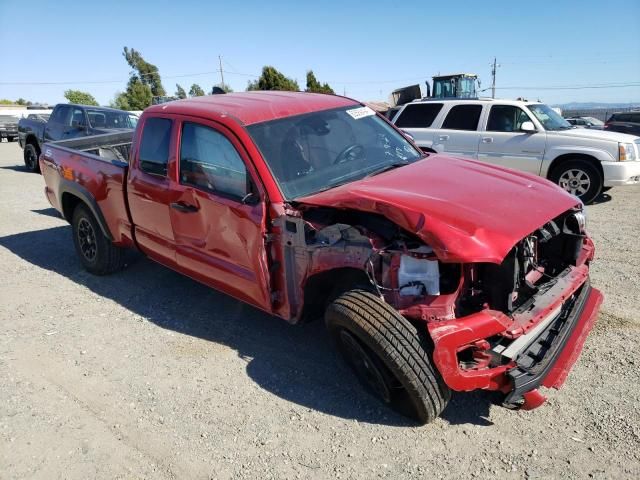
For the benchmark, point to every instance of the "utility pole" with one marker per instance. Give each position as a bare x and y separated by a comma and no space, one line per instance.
221,72
494,66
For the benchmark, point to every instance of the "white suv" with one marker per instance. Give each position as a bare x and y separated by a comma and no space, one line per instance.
526,136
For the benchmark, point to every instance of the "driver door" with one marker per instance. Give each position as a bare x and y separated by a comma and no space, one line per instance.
218,214
504,143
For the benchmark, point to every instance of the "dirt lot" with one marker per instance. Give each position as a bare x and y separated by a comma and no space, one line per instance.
147,374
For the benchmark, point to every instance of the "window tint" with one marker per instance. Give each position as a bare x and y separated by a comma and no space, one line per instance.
154,147
635,117
61,114
419,115
463,117
509,118
210,162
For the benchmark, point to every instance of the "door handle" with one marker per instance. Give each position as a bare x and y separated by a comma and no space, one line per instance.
443,138
184,207
487,140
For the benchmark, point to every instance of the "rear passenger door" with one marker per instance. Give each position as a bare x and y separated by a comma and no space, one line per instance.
417,119
151,175
459,134
218,213
504,143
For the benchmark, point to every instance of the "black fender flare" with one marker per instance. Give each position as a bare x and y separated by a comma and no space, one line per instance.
88,199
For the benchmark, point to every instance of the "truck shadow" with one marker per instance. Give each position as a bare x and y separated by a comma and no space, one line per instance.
297,363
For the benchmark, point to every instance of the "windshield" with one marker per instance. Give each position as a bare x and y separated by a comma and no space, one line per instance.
549,119
320,150
109,119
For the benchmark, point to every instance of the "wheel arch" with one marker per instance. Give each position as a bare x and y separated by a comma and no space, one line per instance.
71,195
560,159
32,140
322,287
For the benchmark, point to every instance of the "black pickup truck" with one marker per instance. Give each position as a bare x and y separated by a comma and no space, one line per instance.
69,121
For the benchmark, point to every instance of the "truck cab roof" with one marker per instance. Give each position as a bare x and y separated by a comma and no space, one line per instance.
254,107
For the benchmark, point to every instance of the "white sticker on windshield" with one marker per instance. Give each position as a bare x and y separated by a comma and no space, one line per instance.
358,113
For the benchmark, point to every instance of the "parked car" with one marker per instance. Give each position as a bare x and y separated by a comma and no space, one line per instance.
432,273
586,122
8,127
68,121
624,122
527,136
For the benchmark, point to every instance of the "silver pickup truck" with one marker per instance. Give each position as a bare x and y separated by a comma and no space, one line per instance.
527,136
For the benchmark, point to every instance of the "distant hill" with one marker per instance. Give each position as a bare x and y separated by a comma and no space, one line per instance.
591,105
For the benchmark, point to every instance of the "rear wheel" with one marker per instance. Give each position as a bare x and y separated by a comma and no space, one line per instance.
97,254
31,158
580,178
387,355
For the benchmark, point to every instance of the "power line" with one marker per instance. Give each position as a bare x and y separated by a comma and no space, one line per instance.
574,87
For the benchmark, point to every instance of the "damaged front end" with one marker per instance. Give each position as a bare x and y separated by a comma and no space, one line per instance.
512,326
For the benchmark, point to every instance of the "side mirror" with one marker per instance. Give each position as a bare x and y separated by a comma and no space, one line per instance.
408,135
528,127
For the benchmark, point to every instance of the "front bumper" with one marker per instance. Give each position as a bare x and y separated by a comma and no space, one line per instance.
567,312
618,174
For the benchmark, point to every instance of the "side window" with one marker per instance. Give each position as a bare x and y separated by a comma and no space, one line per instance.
463,117
210,162
508,118
154,146
77,118
635,117
419,115
61,114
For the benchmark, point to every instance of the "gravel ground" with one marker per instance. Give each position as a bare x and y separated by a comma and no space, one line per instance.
147,374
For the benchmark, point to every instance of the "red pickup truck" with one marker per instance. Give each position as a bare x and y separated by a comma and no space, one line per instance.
432,273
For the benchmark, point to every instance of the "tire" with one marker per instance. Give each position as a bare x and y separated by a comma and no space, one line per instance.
97,254
387,355
580,178
31,158
11,139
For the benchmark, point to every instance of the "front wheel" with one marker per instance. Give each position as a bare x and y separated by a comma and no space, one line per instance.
579,178
31,158
387,355
97,254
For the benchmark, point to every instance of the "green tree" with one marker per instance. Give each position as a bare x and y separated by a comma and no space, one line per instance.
21,101
223,86
146,72
82,98
272,79
313,85
137,96
196,91
5,101
180,93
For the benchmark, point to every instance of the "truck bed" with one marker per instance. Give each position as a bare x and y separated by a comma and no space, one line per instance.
93,170
108,146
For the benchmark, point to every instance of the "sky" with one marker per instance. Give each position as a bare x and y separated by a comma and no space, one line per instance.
363,49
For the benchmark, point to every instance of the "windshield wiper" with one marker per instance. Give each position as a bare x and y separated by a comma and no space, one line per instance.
387,167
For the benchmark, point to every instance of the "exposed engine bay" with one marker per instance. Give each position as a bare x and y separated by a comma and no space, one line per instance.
408,275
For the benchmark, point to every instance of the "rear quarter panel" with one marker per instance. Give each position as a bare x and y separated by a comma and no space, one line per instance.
66,171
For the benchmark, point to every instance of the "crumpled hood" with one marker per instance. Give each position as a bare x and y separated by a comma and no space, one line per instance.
467,211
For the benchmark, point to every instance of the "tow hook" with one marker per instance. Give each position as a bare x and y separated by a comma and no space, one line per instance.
529,401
